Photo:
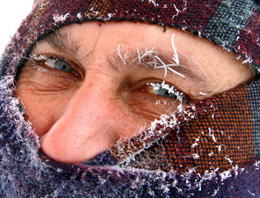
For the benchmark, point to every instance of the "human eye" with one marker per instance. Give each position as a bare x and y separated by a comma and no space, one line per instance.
50,74
56,63
152,98
165,90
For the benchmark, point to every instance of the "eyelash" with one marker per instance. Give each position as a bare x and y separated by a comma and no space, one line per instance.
50,62
165,90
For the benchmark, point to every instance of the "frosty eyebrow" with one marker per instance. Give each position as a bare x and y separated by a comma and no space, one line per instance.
118,61
131,58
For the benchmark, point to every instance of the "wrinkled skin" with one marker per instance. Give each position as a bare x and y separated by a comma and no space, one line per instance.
105,93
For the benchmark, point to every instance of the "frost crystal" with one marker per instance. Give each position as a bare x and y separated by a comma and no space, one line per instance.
120,55
153,2
229,160
177,10
175,58
60,18
203,93
253,194
212,135
170,89
79,15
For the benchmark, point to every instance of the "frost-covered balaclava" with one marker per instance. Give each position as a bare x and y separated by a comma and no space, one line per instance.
206,150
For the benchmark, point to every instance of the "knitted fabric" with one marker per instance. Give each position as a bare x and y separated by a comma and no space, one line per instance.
210,149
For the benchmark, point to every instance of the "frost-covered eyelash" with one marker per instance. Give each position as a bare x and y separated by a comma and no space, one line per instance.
38,57
54,62
170,89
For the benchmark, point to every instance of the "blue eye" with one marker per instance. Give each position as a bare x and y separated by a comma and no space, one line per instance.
165,90
165,93
55,63
62,65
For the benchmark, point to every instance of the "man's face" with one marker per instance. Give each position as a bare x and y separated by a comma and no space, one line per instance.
89,85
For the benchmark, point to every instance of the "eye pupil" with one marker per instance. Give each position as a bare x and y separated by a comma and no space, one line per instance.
164,90
62,65
55,63
165,93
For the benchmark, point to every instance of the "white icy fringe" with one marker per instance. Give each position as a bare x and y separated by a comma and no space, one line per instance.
7,87
169,88
60,18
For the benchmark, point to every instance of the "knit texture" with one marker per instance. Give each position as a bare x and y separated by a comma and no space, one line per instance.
209,149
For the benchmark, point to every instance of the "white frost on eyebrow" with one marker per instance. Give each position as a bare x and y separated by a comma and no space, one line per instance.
138,55
203,93
167,67
175,63
156,62
148,53
141,56
120,55
152,1
175,56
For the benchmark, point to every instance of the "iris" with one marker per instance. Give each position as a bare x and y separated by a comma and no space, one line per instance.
59,64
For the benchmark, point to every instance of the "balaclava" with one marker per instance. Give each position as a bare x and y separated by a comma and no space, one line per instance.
207,150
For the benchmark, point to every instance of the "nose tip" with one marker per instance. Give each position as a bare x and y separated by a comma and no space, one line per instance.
75,138
73,146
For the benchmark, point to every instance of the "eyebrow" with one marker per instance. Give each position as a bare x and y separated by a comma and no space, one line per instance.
153,59
134,58
62,43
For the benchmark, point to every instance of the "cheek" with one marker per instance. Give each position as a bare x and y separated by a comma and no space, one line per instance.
42,111
44,96
149,107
